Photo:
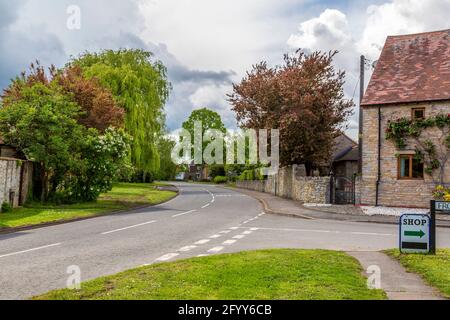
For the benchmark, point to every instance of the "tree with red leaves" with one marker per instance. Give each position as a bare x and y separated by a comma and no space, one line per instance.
303,98
98,107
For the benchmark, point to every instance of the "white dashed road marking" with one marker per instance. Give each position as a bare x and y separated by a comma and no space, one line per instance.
187,248
184,213
203,241
216,249
229,242
240,236
168,256
215,236
130,227
30,250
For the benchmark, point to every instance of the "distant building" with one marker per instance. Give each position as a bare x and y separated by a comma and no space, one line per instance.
411,80
345,157
197,173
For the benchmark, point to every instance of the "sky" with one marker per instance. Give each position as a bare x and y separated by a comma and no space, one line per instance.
207,45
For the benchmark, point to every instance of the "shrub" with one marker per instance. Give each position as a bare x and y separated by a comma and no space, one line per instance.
442,193
217,171
220,179
6,207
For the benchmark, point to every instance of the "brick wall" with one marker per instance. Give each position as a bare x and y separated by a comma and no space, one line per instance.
394,192
291,183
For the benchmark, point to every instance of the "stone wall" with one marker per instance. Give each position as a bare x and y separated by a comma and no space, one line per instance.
291,183
9,181
15,181
394,192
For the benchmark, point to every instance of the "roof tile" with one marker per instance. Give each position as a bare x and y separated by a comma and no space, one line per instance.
412,68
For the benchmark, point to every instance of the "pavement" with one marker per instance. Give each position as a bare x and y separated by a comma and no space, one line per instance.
287,207
394,280
202,220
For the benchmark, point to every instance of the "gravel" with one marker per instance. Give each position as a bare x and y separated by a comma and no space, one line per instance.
395,212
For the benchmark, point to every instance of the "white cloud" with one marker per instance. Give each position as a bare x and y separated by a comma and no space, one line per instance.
401,17
221,34
214,96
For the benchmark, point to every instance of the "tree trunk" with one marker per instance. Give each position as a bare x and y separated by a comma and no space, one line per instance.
44,184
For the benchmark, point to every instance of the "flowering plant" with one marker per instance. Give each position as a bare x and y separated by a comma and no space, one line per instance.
441,193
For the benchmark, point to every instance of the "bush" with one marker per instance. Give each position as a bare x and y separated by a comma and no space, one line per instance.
220,180
217,171
6,207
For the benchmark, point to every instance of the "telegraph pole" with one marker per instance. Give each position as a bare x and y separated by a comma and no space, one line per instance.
361,95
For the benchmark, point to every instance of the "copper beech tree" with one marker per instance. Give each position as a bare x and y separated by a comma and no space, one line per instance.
98,107
303,98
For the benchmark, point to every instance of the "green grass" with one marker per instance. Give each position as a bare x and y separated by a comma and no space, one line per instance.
269,274
434,269
122,196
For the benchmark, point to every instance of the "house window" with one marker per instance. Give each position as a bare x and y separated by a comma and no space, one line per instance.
418,113
409,167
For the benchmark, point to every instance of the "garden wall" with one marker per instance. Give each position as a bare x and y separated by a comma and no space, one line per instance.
291,183
15,181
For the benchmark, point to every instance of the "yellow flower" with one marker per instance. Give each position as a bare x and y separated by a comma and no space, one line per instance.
440,188
447,197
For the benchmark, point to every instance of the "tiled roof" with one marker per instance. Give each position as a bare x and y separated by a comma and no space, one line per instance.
412,68
342,145
352,155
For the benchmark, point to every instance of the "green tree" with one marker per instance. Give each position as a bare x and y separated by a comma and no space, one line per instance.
140,86
101,158
167,169
303,98
209,119
53,121
42,123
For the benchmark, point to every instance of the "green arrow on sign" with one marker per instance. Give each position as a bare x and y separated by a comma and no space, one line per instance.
420,234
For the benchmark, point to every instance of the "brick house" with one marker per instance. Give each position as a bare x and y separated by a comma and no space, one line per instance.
411,80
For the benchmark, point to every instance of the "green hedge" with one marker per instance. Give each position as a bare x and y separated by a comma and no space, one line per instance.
220,179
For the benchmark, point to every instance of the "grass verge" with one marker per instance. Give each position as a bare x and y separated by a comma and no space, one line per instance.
123,196
434,269
269,274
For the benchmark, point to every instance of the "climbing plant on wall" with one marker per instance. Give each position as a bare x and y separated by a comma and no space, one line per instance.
434,153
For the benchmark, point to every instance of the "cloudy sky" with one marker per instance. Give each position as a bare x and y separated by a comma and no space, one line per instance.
209,44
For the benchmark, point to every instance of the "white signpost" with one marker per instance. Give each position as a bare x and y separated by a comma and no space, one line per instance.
415,230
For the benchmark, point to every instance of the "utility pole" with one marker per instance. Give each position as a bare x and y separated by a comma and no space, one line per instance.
361,95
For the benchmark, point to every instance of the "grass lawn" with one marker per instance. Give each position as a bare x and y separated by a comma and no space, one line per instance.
122,196
434,269
269,274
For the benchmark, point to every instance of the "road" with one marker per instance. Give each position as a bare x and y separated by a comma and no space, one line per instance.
202,220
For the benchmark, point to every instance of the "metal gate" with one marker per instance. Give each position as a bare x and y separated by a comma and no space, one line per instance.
344,191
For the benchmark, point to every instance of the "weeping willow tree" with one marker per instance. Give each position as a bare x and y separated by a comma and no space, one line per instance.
139,85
